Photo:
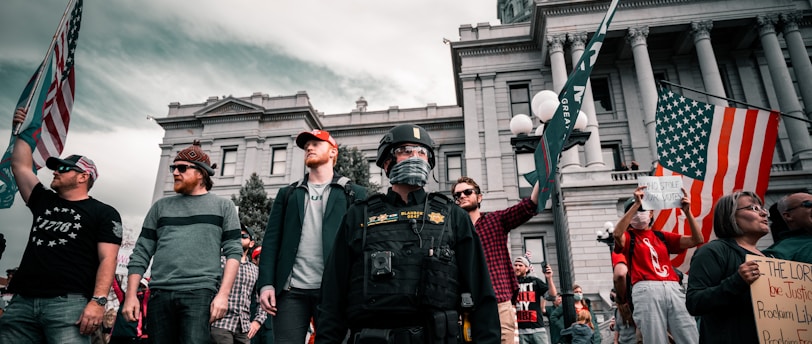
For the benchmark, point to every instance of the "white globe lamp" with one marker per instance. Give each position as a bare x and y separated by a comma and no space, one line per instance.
541,97
547,110
540,130
521,124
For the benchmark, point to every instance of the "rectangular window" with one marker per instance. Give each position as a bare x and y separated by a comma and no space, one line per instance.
229,162
602,95
375,173
520,100
278,160
453,167
538,255
524,164
611,156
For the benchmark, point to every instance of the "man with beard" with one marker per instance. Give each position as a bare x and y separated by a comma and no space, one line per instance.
185,235
796,243
299,237
237,326
531,302
493,229
407,264
68,265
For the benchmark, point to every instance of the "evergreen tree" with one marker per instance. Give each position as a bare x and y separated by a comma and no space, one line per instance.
254,206
354,165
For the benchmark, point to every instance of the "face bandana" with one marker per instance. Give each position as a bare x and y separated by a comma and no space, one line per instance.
412,171
641,220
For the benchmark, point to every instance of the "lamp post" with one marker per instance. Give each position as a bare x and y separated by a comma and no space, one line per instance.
523,143
605,235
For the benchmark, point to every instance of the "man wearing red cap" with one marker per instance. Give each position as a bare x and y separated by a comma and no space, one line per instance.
184,235
299,237
68,265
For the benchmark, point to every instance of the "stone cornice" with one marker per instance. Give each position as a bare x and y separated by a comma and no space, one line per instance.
566,8
499,50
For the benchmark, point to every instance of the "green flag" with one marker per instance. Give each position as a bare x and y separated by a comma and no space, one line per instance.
558,130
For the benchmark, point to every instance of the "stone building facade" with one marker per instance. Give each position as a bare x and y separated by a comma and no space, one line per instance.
753,51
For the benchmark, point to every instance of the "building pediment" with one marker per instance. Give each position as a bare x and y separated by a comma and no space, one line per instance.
229,106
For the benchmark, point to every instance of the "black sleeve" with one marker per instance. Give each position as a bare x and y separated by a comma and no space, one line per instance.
331,316
710,288
474,278
271,241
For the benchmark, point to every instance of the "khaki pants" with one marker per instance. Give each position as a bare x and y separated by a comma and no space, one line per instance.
507,317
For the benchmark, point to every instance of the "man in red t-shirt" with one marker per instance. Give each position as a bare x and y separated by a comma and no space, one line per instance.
659,303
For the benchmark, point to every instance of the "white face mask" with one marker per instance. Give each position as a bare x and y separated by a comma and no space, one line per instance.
641,220
578,296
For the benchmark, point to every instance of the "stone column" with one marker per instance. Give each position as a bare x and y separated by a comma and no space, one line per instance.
799,57
569,158
645,81
473,154
558,65
787,98
493,153
592,148
707,61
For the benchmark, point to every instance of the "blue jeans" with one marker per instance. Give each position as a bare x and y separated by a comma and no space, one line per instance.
659,307
47,319
179,316
292,320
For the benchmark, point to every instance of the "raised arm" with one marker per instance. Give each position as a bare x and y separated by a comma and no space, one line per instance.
22,161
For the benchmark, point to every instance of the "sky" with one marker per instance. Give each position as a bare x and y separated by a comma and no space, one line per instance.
133,58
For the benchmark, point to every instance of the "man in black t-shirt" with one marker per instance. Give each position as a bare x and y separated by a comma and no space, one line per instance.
530,302
69,262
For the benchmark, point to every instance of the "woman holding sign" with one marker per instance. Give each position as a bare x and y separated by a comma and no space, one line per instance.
719,286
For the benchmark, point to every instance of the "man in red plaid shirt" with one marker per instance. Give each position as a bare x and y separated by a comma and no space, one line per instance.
493,229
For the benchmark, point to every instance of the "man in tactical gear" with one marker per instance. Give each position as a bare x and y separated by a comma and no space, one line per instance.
402,261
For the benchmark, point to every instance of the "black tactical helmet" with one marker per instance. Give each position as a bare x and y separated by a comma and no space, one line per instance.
404,133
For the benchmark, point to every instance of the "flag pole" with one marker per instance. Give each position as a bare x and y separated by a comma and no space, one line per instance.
734,101
48,54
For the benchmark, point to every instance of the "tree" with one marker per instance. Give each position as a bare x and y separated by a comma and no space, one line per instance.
353,164
254,206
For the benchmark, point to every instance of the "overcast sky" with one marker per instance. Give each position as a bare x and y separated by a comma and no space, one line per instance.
135,57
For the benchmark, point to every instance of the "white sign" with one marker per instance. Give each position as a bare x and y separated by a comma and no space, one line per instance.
661,192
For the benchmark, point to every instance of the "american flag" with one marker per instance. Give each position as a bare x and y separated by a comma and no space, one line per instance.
716,150
50,95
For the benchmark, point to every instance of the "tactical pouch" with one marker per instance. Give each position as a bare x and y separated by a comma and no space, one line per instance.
438,282
372,336
443,327
411,335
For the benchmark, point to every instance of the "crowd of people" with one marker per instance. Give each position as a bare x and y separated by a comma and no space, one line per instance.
336,265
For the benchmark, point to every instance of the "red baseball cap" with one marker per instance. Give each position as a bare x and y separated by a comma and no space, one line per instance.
316,134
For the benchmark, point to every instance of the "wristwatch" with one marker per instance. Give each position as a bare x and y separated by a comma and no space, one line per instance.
101,300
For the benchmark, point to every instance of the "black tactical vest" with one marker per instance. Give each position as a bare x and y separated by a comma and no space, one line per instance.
407,262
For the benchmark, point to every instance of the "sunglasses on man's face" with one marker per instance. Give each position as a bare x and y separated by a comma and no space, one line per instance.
467,192
245,236
805,204
66,168
180,168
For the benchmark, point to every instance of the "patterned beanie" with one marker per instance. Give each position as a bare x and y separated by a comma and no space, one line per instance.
197,156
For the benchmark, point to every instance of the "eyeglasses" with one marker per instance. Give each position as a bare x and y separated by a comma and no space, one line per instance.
245,236
66,168
410,150
805,204
467,192
754,207
181,168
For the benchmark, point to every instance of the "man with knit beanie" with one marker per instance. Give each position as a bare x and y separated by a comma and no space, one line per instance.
530,302
185,235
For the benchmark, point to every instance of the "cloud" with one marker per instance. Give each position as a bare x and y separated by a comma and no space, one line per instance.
135,57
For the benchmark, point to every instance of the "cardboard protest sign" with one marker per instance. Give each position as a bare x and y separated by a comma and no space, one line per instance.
661,192
782,300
